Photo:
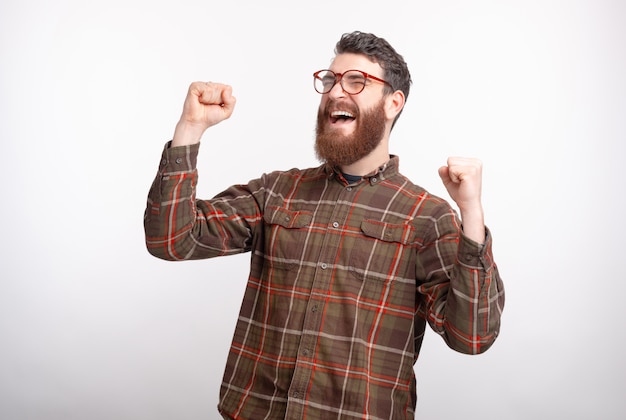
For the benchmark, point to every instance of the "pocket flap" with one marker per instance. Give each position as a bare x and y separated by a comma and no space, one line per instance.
388,232
286,218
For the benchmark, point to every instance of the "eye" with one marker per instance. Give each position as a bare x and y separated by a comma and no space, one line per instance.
354,80
328,80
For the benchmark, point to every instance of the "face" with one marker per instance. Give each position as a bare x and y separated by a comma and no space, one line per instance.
349,127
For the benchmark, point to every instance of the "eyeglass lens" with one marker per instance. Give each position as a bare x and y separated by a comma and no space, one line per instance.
351,81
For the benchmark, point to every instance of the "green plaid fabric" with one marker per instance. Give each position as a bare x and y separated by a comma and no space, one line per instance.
343,279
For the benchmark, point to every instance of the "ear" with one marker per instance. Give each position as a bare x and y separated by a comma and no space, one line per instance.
394,104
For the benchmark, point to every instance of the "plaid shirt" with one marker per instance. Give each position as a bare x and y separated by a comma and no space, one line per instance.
343,279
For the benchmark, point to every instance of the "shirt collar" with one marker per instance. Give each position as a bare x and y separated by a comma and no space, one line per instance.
385,171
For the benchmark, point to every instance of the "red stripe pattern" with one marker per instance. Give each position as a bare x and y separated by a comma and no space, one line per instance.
343,279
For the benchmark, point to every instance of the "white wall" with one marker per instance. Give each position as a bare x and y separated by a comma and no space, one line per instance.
92,327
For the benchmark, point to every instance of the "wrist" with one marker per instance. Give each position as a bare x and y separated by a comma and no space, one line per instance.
186,134
473,223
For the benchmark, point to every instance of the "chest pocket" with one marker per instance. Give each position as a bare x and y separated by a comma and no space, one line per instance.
383,251
285,236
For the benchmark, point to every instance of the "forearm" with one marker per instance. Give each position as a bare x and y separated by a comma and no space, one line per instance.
463,303
475,300
170,215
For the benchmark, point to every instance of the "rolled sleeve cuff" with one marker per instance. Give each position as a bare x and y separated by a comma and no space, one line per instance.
178,159
473,254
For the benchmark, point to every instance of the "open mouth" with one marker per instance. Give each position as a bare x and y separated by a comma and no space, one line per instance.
341,117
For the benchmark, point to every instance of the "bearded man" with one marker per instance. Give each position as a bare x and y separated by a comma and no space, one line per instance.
349,260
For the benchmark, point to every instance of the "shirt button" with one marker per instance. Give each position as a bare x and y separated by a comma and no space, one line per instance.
164,162
296,395
178,160
335,225
324,266
349,188
314,308
374,180
306,353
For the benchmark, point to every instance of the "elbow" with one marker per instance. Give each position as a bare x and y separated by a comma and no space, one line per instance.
158,253
160,250
472,344
482,344
165,247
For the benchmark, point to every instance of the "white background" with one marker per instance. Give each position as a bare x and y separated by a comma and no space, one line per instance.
92,327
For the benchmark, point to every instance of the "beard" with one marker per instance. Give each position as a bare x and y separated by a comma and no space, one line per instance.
338,149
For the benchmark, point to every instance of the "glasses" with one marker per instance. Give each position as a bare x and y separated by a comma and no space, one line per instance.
351,81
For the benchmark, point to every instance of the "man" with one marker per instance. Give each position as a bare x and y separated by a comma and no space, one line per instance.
350,260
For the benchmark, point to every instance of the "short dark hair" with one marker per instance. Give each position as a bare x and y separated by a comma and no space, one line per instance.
380,51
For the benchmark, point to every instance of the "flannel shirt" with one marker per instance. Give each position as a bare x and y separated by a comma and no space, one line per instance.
343,279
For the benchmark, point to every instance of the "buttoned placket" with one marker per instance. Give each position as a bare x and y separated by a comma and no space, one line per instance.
315,309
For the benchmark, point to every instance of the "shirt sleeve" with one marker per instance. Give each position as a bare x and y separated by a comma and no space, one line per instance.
461,289
179,227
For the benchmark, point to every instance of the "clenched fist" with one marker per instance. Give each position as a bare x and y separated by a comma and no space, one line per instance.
206,104
463,180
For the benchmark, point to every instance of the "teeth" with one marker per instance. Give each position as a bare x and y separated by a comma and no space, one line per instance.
338,114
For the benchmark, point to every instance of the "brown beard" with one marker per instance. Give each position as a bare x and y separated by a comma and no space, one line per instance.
341,150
